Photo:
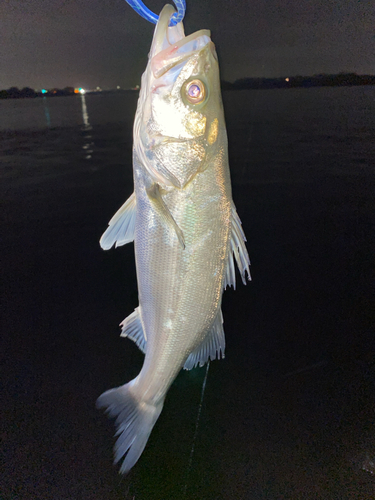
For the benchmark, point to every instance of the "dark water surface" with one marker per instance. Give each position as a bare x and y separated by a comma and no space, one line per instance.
289,414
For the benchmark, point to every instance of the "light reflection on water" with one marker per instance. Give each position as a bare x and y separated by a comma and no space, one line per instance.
85,115
88,146
46,112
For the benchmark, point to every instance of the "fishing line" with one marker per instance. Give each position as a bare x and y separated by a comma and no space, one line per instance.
196,428
147,14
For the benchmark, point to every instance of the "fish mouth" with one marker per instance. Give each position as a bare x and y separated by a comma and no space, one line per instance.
170,46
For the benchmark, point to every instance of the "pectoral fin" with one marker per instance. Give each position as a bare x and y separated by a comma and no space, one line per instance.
165,215
212,347
238,250
121,227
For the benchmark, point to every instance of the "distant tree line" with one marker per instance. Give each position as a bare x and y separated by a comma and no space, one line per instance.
340,80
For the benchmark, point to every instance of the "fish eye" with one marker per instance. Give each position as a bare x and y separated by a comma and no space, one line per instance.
195,91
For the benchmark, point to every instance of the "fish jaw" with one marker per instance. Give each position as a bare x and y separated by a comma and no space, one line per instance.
178,52
167,127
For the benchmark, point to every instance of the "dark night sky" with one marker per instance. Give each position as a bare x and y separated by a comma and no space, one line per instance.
89,43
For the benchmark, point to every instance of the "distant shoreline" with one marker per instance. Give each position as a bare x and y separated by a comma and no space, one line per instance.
340,80
28,93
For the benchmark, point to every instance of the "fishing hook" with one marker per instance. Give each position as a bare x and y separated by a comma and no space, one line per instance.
147,14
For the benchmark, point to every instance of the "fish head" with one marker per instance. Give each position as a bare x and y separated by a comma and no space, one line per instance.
180,121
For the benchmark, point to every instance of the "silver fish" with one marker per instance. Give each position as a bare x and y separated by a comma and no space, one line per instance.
184,225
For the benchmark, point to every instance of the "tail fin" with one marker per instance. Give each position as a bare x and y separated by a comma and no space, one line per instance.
134,422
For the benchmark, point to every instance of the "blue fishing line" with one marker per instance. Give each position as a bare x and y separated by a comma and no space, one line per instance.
145,12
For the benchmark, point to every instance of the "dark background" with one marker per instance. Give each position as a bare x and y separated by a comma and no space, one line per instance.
80,43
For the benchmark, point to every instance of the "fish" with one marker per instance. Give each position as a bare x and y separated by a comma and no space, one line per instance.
184,224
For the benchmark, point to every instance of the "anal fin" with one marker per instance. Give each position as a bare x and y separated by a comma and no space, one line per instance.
132,328
212,347
121,227
237,252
